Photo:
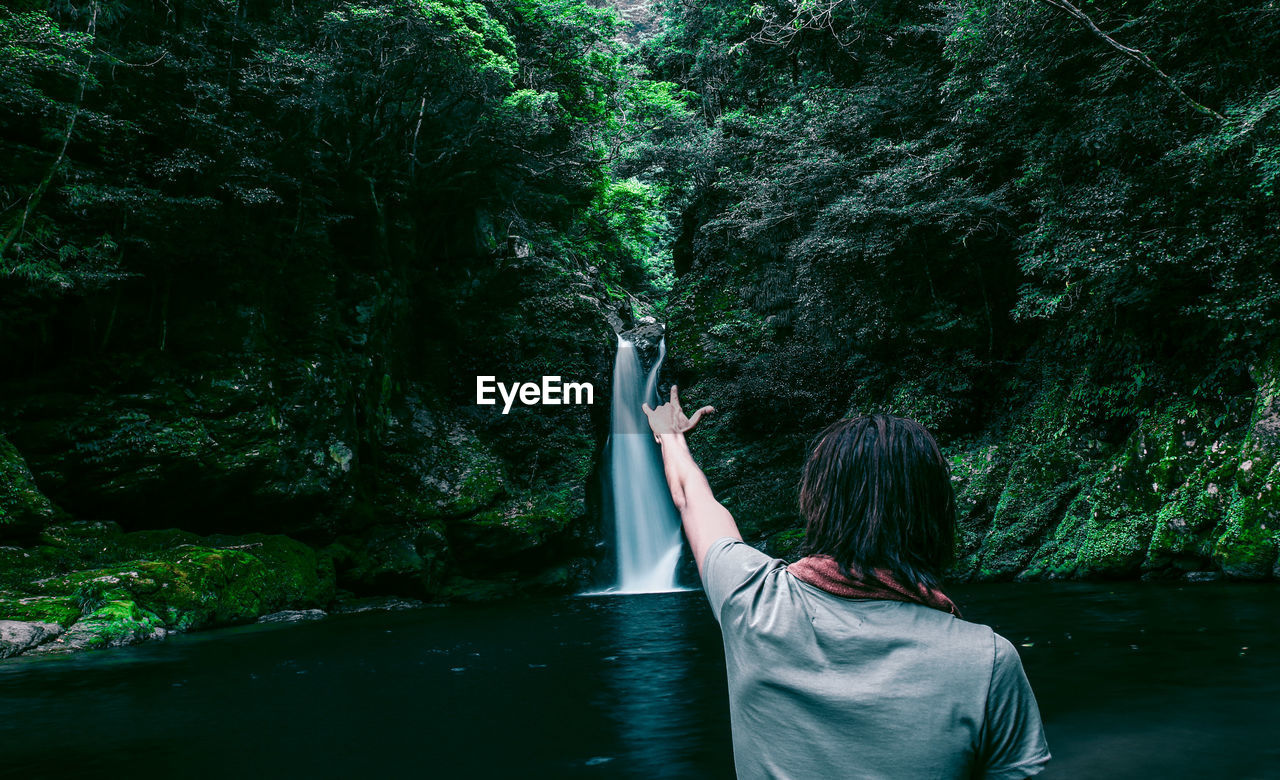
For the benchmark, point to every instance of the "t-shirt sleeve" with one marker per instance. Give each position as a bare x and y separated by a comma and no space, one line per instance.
1013,740
731,571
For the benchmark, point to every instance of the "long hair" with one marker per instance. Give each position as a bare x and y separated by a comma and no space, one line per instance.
876,493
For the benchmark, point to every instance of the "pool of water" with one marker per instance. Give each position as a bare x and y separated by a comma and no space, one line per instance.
1134,681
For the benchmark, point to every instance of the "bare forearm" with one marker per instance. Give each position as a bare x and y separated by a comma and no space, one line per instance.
704,519
680,467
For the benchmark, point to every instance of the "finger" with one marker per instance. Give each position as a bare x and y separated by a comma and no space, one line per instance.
675,399
647,411
698,414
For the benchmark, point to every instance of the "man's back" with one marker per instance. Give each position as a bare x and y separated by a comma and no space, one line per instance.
826,687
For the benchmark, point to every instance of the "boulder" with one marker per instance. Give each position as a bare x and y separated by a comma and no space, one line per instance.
294,616
355,605
17,636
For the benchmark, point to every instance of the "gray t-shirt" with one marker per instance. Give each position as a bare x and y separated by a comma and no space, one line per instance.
826,687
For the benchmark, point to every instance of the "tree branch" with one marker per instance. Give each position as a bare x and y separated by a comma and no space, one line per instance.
33,200
1133,54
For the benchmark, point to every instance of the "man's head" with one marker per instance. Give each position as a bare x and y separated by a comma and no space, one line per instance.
876,493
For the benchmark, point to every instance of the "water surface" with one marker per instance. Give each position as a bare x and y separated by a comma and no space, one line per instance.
1133,680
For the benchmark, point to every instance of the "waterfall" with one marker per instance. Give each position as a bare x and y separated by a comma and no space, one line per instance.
645,522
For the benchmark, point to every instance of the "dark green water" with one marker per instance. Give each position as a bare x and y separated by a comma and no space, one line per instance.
1134,681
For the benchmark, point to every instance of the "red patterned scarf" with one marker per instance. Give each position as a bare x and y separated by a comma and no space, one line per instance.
822,572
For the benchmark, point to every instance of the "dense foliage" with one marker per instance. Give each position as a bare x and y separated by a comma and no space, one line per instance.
947,187
253,255
243,137
1019,222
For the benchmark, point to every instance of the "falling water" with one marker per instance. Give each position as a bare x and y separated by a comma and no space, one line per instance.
645,522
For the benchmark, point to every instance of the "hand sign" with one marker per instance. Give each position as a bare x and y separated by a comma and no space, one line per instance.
670,418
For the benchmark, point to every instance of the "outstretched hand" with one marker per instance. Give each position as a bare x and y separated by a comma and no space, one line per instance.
670,418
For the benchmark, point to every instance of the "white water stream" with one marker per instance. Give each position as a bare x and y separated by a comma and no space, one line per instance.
646,525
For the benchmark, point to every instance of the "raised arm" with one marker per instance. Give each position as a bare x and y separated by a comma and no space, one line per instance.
704,519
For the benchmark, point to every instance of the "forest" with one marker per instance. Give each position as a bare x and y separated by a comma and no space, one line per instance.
254,254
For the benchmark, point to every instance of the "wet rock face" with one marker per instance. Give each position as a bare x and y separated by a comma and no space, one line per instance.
405,560
1185,496
646,338
240,448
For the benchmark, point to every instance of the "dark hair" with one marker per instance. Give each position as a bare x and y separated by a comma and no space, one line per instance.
876,493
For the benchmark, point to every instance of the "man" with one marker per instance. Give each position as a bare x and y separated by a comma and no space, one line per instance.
851,663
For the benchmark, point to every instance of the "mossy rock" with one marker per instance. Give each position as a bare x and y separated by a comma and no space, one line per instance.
1182,536
1249,545
517,526
1106,530
22,504
978,477
62,610
210,446
20,565
82,537
1087,544
219,580
437,467
1042,482
113,624
296,577
408,559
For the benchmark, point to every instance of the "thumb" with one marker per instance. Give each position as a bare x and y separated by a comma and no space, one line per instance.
698,414
645,408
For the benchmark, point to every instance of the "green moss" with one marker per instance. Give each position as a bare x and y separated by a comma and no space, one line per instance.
481,482
140,544
220,580
19,566
1107,529
1249,545
141,436
1041,483
978,476
1181,538
114,623
84,539
522,523
44,609
292,575
786,544
1103,547
21,502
